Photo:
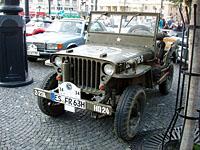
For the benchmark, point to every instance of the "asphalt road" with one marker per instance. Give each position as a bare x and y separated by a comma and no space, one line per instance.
24,126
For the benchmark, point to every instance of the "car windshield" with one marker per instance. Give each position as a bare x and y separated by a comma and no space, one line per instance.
134,24
71,27
35,24
38,23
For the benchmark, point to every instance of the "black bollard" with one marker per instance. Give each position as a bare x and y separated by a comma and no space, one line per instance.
13,53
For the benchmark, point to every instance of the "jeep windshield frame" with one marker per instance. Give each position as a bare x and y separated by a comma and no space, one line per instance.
120,37
125,20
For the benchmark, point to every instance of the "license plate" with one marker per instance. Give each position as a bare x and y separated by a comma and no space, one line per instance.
70,95
32,50
69,102
33,53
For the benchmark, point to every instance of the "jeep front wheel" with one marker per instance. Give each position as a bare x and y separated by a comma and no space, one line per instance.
47,106
165,86
129,111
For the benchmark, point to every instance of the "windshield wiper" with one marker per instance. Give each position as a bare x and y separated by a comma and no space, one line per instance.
138,14
103,14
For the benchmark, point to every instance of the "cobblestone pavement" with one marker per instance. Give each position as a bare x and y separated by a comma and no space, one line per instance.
23,126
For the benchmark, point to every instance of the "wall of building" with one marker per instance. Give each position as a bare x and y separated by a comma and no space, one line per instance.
56,5
104,5
138,5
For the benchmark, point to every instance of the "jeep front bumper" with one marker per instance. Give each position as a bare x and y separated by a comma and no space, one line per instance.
72,103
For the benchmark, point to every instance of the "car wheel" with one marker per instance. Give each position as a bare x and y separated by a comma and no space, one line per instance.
32,59
129,112
165,86
47,106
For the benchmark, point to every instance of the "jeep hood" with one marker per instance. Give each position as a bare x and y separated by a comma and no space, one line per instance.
112,54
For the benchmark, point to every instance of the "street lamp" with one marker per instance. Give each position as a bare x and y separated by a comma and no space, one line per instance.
49,4
96,5
27,17
13,54
161,7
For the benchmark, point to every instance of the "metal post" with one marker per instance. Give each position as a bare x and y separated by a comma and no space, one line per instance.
13,54
49,4
161,7
27,17
96,4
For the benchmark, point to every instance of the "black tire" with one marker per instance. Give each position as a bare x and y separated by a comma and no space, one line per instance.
47,106
140,27
32,59
165,86
129,112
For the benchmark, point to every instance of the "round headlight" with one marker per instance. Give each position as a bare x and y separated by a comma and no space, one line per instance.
58,61
108,69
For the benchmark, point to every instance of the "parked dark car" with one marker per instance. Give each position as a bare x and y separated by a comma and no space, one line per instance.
60,35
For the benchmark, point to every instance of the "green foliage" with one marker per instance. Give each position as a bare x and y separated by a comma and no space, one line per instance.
196,147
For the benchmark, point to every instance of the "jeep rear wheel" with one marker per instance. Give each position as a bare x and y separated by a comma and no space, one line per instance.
165,86
47,106
129,111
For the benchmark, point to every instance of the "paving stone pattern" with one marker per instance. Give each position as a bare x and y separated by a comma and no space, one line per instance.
23,126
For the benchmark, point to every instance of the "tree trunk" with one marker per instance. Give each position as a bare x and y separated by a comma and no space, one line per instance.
194,91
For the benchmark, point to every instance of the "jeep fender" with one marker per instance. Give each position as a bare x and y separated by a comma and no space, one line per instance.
132,73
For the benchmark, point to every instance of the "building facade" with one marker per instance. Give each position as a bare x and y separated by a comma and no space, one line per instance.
169,9
57,5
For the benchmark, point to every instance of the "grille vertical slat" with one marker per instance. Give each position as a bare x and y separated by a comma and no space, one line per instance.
85,73
82,73
79,72
91,72
96,70
86,76
98,74
72,69
78,76
75,69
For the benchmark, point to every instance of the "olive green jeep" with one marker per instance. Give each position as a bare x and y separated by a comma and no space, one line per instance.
108,76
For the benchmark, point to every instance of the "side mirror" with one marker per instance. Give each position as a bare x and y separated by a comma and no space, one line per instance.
85,35
85,32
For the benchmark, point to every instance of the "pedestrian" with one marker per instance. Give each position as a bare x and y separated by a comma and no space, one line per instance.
170,21
161,24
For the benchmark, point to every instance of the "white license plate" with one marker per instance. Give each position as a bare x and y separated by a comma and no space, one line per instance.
74,103
33,53
69,102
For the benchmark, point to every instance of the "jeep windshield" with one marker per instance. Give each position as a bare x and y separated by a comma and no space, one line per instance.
125,23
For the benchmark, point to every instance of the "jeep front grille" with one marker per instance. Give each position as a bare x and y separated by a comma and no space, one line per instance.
85,73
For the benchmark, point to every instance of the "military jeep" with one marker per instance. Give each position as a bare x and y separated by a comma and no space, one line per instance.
109,75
